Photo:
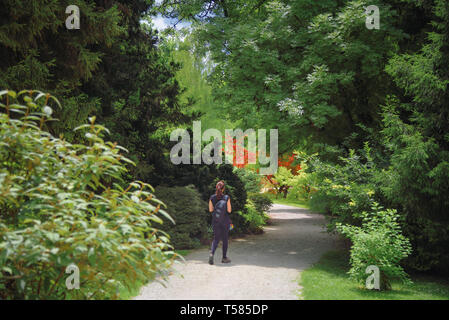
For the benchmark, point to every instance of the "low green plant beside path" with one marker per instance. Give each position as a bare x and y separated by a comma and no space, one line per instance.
328,280
134,289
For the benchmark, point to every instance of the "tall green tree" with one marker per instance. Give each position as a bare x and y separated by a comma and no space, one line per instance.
111,67
192,76
417,137
309,68
39,52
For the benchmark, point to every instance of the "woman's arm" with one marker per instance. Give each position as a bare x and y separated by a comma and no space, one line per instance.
229,205
211,207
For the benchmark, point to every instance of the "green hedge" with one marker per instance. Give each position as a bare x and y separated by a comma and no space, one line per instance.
262,202
190,213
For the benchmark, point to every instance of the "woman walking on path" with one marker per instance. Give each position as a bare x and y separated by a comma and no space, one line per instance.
220,207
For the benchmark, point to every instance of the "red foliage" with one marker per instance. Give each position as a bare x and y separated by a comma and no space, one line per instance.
283,161
246,154
287,162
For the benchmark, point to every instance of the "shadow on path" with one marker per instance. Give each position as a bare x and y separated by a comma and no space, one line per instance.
263,266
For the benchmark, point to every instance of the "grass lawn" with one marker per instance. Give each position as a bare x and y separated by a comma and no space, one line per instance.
328,280
183,252
288,202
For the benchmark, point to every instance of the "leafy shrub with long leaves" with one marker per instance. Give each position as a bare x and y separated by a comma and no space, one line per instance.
63,204
379,242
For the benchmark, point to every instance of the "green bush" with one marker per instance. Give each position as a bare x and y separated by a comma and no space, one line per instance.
379,242
302,185
250,178
344,189
416,183
190,213
254,219
255,212
262,202
63,204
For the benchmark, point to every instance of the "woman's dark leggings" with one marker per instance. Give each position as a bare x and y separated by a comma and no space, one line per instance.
220,233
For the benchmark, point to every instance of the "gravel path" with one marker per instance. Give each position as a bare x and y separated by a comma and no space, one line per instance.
263,266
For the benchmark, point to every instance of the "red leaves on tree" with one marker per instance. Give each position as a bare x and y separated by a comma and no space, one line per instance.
246,154
286,160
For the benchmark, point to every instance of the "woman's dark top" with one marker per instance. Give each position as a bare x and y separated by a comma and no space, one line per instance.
214,200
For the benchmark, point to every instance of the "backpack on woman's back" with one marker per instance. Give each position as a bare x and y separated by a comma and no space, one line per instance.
220,215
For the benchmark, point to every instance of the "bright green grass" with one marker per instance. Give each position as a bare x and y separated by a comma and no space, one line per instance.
288,202
183,252
328,280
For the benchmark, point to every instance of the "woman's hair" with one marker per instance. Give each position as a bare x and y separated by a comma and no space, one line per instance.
219,189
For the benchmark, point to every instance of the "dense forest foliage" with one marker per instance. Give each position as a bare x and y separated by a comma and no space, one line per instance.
362,116
373,104
110,67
